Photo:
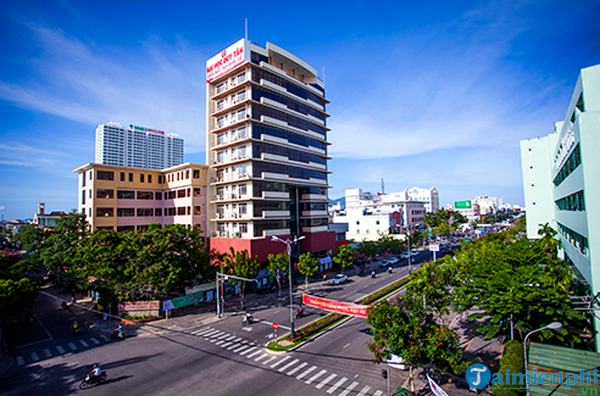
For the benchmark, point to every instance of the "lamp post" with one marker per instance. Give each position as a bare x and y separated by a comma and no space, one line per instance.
288,243
552,326
409,252
512,328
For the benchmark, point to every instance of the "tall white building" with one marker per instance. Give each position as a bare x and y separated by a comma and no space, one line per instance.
429,196
137,147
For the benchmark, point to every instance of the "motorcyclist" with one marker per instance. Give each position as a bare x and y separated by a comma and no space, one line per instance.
75,327
299,311
249,318
390,270
372,274
95,373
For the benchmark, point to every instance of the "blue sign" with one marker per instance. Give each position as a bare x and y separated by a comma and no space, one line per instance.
478,376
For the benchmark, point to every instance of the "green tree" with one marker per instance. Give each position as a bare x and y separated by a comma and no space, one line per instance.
344,256
240,264
31,238
308,266
18,293
389,244
277,266
61,246
368,248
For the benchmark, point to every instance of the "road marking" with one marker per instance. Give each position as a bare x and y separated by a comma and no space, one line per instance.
248,350
233,345
34,356
349,389
325,381
241,348
337,385
378,393
314,377
105,338
20,360
72,346
270,360
345,346
230,338
306,372
287,366
214,340
223,336
210,333
237,339
254,353
60,349
227,344
364,391
220,342
85,344
202,331
95,341
296,369
48,353
264,355
281,361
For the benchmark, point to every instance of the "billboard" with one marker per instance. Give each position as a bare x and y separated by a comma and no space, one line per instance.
227,60
335,306
462,205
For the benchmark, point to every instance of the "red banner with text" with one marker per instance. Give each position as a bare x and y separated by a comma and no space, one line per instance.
335,306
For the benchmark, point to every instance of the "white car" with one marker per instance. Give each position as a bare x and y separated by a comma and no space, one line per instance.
339,279
405,255
413,253
393,261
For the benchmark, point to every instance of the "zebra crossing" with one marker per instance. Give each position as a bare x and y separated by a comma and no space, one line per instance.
57,350
322,379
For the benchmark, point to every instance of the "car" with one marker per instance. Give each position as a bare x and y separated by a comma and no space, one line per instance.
393,261
384,263
339,279
405,255
414,253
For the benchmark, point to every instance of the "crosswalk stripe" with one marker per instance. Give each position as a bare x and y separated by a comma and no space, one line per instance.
288,365
378,393
364,391
269,360
48,353
337,385
314,377
248,350
105,338
20,360
220,342
95,341
325,381
202,331
230,338
72,346
34,356
211,333
85,344
60,349
306,372
233,345
237,339
227,344
296,369
349,389
264,355
214,340
241,348
254,353
223,336
281,361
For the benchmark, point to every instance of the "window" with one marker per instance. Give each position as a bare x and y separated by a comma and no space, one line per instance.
157,212
105,175
160,179
91,173
189,210
242,189
105,194
243,208
196,174
243,227
83,180
104,212
90,193
125,212
131,177
145,212
149,178
187,174
196,210
145,195
83,197
170,211
141,177
220,138
122,176
125,194
181,211
125,228
158,196
170,194
181,193
196,192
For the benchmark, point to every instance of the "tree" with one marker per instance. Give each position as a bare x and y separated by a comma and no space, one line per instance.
240,264
344,256
277,265
308,266
61,246
18,293
387,243
368,248
31,238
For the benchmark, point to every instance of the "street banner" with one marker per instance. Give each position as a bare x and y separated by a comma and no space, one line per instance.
335,306
139,308
435,388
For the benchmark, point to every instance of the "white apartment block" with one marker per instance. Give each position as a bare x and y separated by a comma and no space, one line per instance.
429,196
137,147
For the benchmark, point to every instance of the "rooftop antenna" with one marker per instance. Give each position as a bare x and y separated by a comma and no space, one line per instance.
382,187
246,31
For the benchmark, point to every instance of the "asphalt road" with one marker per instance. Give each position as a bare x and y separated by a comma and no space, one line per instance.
187,356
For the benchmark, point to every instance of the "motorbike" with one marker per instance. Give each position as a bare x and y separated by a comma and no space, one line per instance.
299,313
75,329
390,270
88,381
373,274
119,334
248,319
63,304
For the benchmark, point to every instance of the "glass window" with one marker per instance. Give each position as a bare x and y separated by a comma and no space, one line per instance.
125,194
122,176
196,174
105,175
141,177
158,196
125,212
145,195
158,212
104,212
130,177
105,194
149,178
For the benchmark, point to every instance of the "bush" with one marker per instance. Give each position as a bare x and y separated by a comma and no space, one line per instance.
512,360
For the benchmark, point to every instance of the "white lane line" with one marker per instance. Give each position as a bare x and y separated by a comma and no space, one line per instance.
85,344
241,348
248,350
314,377
95,341
254,353
296,369
325,381
378,393
60,349
281,361
34,356
337,385
264,355
349,389
364,391
20,360
72,346
287,366
306,372
105,338
269,360
47,353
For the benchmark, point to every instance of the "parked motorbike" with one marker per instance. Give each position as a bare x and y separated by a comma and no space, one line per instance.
88,381
248,319
118,334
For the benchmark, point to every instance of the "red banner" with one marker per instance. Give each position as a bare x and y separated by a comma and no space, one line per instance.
335,306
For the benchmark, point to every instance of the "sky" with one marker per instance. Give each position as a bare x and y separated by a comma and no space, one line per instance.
428,94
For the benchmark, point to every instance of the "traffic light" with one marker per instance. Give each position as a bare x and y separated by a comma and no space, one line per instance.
384,373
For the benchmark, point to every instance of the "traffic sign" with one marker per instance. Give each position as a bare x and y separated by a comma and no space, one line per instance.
275,326
434,248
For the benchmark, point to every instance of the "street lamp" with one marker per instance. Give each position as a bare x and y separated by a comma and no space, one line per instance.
551,326
288,243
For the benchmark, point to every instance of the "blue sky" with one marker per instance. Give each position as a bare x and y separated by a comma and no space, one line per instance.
425,94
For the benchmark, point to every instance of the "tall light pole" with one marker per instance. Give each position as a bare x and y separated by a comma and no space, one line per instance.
552,326
288,243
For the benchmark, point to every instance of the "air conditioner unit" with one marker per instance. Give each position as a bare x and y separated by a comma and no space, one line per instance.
235,215
237,235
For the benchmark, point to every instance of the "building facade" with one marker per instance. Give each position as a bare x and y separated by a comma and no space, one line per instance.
561,178
126,199
137,147
267,151
429,196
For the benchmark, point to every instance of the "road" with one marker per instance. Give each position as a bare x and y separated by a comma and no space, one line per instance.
192,356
